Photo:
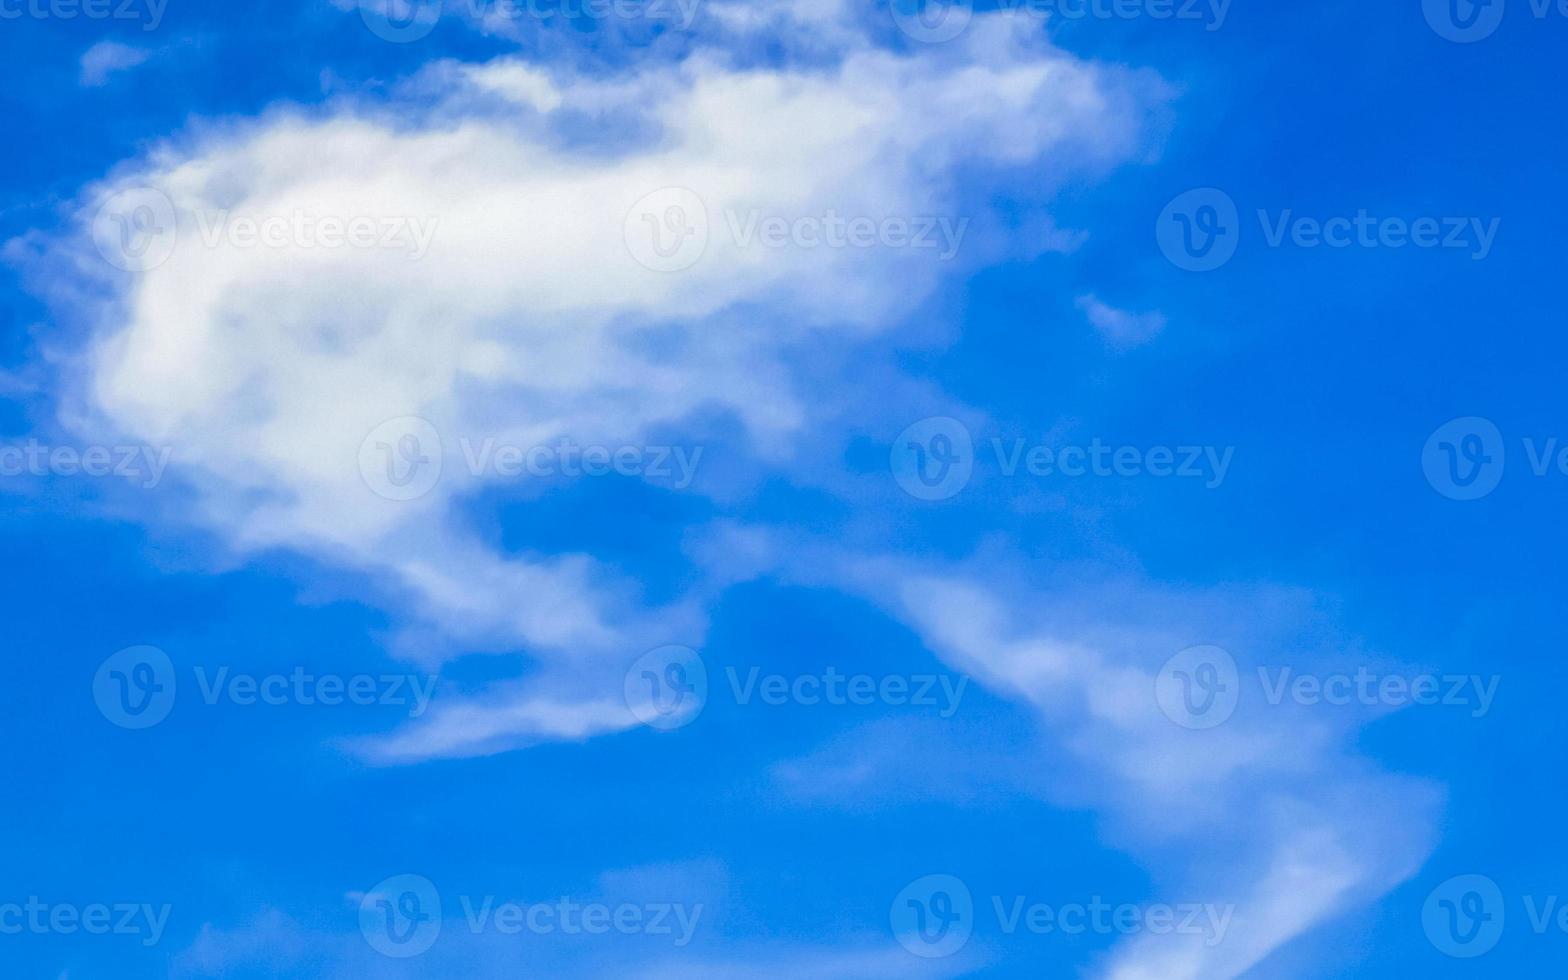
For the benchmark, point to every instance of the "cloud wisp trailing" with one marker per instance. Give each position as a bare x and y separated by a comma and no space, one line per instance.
351,321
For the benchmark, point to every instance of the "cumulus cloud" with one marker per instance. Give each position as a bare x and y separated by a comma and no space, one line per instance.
530,273
524,278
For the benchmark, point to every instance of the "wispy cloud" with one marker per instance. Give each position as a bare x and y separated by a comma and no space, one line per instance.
533,313
1119,327
107,58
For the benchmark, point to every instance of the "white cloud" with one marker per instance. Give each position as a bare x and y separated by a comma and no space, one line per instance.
106,58
528,318
1251,813
1119,327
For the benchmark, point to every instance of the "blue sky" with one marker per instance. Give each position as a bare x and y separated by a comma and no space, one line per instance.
1068,685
